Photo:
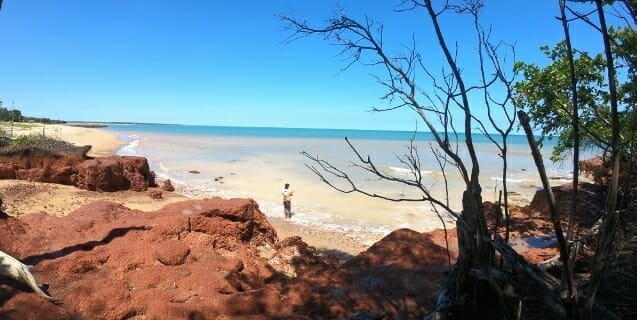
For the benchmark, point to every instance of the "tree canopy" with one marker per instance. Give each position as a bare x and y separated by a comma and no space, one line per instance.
544,92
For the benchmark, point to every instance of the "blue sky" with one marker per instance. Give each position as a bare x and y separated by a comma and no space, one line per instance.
225,62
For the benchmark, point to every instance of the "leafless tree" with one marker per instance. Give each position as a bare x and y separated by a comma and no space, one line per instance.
363,42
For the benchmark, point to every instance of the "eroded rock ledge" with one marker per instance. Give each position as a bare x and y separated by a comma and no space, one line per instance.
74,167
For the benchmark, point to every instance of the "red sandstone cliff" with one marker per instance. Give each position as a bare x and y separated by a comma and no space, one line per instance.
74,167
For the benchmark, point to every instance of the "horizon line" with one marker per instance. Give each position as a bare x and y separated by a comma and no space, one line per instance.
263,127
233,126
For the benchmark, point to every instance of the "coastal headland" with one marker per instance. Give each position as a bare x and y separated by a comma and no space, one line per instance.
110,253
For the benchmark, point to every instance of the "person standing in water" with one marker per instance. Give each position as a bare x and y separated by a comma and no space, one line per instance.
287,201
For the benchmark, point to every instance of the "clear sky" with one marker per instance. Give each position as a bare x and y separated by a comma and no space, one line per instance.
209,62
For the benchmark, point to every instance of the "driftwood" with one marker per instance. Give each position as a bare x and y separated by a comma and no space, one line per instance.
14,269
546,285
550,263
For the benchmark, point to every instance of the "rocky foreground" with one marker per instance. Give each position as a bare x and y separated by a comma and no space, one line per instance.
206,259
216,259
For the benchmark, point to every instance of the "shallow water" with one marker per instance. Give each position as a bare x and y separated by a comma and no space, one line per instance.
257,165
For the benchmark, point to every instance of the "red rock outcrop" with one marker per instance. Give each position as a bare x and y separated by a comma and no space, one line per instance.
590,198
168,186
155,194
35,164
76,168
114,173
531,228
597,168
207,259
396,277
105,261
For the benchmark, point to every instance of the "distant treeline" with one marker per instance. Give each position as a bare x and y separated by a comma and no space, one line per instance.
16,116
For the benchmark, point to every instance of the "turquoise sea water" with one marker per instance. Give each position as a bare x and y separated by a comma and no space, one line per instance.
256,162
271,132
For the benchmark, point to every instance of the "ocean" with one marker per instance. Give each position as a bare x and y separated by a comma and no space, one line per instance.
256,163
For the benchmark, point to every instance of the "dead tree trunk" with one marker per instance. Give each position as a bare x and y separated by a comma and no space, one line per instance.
567,271
612,216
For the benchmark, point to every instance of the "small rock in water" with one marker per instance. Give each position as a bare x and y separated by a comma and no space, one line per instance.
194,171
168,186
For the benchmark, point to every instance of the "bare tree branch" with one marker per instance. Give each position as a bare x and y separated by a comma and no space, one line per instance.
435,105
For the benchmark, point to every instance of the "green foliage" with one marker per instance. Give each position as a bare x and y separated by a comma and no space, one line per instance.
28,140
10,115
34,141
5,139
15,115
546,96
625,46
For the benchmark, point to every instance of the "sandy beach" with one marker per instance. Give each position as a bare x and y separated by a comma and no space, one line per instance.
23,197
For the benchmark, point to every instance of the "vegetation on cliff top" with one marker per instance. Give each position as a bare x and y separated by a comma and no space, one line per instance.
35,141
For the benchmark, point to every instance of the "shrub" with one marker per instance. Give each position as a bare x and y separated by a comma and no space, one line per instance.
38,141
5,140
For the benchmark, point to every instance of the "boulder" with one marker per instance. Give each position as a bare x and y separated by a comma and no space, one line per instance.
597,168
114,173
171,252
168,186
155,194
591,198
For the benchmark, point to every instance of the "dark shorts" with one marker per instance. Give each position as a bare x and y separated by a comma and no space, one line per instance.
287,205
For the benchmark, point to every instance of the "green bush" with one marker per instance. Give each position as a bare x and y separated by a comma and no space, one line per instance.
5,140
30,140
35,141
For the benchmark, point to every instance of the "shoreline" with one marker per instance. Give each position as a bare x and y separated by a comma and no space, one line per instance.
24,197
